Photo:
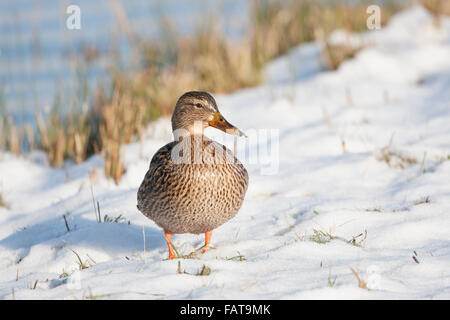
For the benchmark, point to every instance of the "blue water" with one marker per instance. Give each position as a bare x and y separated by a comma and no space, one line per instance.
38,52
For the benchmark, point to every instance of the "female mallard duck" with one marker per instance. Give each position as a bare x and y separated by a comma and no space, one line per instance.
194,184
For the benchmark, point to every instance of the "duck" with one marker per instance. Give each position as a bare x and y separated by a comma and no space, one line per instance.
194,184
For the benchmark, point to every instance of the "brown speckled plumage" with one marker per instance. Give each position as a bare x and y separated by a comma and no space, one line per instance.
193,197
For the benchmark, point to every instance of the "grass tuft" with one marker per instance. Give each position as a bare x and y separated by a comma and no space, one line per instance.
239,257
422,201
320,236
205,270
63,274
331,281
65,222
33,286
414,257
358,241
394,159
375,209
81,265
117,219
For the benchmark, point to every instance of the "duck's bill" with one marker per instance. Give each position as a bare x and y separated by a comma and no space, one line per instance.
220,123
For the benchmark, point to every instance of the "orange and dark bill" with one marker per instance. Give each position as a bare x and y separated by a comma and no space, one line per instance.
220,123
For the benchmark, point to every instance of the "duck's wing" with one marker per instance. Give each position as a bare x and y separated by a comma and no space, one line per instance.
154,179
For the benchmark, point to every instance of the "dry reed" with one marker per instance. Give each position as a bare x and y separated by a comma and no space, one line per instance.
206,60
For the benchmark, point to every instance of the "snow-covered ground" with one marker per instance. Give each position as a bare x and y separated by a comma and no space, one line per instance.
359,180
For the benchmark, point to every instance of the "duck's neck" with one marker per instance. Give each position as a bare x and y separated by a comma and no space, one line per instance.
189,148
196,130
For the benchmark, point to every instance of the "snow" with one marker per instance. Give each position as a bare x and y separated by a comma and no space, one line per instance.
320,173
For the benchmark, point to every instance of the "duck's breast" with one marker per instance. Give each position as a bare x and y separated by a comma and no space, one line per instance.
193,198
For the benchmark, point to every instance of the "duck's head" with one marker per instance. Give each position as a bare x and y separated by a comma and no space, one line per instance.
196,110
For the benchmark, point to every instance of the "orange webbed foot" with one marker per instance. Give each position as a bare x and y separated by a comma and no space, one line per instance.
208,236
168,237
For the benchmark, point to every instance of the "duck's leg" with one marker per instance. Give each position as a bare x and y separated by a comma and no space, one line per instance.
207,240
168,237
